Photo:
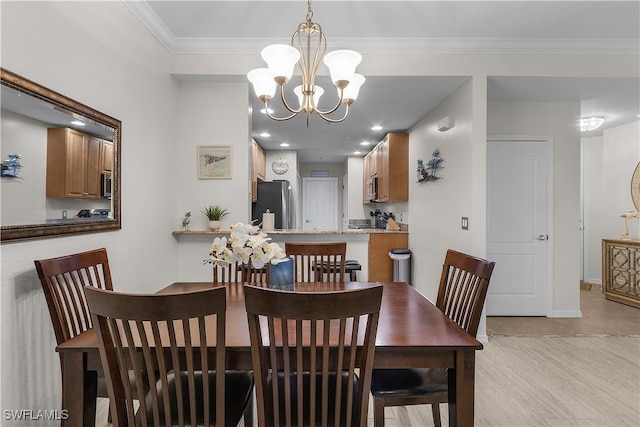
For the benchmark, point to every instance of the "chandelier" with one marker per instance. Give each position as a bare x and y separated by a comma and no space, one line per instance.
307,49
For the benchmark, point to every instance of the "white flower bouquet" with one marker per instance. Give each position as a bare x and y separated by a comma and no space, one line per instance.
246,244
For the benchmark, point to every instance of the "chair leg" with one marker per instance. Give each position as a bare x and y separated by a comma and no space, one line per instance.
352,276
435,409
378,412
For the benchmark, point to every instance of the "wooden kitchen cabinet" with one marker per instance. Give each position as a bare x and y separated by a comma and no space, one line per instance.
621,271
371,174
258,168
393,168
107,156
74,164
380,264
388,164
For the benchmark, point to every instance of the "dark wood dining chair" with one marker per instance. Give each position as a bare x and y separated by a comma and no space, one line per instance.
317,261
303,347
237,272
63,280
174,334
461,295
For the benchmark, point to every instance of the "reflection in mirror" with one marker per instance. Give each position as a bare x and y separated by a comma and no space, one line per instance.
68,178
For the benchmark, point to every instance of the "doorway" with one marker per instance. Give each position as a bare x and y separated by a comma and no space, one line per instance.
320,204
519,199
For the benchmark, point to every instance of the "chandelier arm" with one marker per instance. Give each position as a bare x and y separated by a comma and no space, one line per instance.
321,112
330,120
286,104
279,119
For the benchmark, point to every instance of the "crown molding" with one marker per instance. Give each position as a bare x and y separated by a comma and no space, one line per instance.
426,45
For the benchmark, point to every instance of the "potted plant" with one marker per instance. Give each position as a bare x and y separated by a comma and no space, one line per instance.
214,214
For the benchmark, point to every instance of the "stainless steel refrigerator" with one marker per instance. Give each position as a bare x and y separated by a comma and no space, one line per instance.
277,196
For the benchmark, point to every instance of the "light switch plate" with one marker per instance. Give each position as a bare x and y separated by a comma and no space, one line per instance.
465,223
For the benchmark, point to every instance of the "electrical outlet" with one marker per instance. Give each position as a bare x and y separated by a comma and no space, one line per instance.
465,223
64,214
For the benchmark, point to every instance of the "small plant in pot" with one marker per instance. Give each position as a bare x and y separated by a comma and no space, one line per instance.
214,214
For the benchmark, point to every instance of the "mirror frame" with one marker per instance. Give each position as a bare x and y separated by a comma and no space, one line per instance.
38,231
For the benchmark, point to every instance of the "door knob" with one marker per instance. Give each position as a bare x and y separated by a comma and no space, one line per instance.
543,237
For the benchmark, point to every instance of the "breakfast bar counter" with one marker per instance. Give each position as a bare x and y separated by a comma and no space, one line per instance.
369,246
350,231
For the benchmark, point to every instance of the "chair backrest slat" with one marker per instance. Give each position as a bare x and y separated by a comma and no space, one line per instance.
317,261
237,272
463,288
166,336
314,343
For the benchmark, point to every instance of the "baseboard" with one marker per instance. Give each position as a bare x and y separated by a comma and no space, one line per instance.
566,314
484,338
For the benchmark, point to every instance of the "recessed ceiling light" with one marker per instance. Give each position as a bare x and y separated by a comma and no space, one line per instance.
587,124
263,111
265,134
365,143
284,144
357,152
376,127
78,123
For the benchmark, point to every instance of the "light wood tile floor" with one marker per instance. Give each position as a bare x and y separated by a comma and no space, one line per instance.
548,372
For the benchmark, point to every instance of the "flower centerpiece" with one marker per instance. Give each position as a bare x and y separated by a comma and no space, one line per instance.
246,244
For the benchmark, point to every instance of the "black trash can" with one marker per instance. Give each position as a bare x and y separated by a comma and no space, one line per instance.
401,265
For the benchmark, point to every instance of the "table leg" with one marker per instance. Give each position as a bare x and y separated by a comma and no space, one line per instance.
461,389
79,390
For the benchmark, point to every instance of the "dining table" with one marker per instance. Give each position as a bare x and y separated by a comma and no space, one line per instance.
412,333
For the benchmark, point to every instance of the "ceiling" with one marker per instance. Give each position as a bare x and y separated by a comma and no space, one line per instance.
395,102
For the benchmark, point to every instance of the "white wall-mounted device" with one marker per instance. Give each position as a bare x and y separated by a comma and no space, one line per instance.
446,123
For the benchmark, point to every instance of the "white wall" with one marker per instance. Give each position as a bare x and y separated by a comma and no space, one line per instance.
23,199
559,121
608,163
436,207
204,119
620,155
96,53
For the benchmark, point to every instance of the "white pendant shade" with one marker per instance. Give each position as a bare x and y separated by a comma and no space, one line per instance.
342,64
263,83
316,96
281,59
351,91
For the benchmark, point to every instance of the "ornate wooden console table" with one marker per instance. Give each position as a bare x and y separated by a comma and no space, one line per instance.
621,271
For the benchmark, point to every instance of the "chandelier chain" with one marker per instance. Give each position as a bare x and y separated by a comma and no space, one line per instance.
309,11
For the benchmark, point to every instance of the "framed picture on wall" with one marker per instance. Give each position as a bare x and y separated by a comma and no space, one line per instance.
214,161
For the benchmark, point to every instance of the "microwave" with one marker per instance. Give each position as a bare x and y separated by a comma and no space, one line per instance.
107,185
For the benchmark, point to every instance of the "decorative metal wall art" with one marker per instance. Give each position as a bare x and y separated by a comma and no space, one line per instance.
430,172
11,166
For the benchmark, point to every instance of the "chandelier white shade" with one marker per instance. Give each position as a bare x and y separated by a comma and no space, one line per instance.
587,124
307,50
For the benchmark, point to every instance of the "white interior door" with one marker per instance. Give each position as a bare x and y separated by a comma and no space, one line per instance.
518,200
320,203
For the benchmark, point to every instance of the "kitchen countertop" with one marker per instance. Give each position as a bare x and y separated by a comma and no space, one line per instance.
295,232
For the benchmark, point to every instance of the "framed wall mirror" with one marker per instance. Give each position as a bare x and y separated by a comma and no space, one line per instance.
60,164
